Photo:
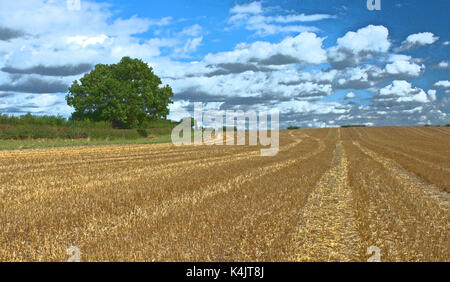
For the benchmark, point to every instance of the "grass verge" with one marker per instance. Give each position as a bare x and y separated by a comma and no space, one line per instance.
53,143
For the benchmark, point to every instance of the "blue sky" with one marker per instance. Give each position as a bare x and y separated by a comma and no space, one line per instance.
320,62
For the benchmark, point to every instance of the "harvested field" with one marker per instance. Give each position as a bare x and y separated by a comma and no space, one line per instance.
328,195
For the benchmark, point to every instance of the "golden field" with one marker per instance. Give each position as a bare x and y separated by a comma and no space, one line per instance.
328,195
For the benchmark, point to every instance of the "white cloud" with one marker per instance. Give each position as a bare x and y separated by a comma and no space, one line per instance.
20,103
294,106
442,84
299,18
291,75
358,77
305,47
258,85
414,110
192,31
355,74
355,47
350,95
58,36
404,67
432,94
190,46
251,8
262,28
443,65
418,39
85,41
371,38
402,91
422,38
252,17
134,25
178,110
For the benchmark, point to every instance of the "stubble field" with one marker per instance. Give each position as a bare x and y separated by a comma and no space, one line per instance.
328,195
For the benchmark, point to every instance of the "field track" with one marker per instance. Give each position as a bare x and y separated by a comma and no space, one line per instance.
328,195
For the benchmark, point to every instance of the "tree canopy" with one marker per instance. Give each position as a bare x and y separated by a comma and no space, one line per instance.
125,94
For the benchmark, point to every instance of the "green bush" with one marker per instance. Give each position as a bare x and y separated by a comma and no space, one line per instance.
142,132
353,125
51,127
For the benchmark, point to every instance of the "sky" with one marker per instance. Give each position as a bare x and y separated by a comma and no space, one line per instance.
321,63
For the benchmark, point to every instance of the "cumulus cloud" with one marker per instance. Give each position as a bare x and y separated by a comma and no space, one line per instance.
355,47
294,106
432,94
303,48
417,40
56,34
442,84
350,95
402,91
260,78
249,84
368,39
363,76
85,41
404,67
292,76
443,65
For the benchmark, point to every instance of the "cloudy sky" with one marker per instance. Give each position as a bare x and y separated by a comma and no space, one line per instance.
320,63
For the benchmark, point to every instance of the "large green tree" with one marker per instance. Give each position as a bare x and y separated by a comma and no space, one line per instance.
125,94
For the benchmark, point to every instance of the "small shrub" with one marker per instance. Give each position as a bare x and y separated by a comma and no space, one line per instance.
142,132
353,125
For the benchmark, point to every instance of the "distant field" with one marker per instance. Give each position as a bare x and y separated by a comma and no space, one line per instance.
328,195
